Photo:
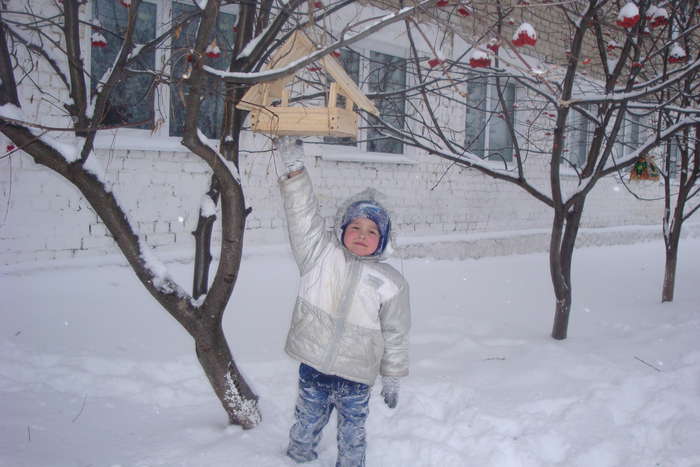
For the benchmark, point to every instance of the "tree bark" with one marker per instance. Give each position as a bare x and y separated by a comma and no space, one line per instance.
214,354
670,272
562,293
672,239
674,225
563,240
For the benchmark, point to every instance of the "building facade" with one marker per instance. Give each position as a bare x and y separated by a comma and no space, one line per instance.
439,208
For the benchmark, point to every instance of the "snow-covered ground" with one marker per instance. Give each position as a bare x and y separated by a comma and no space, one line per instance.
94,373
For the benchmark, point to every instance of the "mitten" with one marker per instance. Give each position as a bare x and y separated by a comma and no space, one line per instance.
291,151
390,390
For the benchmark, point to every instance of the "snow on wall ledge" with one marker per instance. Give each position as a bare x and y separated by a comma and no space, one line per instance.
436,212
522,242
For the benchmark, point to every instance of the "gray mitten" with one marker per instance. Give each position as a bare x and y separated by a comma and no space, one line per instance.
291,151
390,390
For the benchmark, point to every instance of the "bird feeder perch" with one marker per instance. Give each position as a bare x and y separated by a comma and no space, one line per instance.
271,113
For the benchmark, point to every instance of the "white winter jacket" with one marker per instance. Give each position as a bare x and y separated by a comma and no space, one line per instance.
352,314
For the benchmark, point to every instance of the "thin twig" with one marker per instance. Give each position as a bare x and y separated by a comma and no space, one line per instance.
29,434
647,363
495,358
81,409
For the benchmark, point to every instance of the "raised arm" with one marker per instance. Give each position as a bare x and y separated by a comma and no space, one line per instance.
308,236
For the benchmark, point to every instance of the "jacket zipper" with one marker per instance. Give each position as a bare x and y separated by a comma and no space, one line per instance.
352,275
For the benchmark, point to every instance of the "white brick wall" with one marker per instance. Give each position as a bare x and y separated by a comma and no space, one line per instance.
42,217
46,218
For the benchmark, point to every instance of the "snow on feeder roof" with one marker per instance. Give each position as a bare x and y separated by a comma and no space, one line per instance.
628,15
677,54
525,35
479,59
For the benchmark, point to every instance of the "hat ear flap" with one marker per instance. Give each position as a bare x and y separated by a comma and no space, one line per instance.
384,240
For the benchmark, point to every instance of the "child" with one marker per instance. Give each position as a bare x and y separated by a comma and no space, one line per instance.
351,317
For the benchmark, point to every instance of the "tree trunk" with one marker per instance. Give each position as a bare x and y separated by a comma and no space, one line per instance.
674,225
236,397
562,292
670,274
561,251
672,241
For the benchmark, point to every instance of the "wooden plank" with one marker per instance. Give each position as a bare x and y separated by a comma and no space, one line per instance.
294,121
348,86
333,95
252,100
293,49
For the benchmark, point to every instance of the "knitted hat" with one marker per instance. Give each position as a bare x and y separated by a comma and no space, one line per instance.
373,211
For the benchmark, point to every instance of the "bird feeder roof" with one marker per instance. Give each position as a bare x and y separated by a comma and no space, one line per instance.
295,48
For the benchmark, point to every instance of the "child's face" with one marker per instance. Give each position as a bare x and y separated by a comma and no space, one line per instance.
361,236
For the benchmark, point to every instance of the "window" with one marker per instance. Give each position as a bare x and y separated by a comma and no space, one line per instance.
487,133
212,107
578,138
134,102
673,157
387,74
350,60
628,137
383,73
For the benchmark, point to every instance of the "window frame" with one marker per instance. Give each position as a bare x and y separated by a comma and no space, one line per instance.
159,137
359,152
673,151
574,134
624,146
490,98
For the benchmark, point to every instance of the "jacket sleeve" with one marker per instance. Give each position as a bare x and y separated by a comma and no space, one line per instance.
395,317
308,236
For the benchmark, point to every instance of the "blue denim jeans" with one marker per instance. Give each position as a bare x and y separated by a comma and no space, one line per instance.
318,395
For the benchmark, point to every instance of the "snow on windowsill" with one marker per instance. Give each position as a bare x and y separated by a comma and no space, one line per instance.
143,142
568,172
371,157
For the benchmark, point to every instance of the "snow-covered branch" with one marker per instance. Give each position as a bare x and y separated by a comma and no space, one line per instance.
344,41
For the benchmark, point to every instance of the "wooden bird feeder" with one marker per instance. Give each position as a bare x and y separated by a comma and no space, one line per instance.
281,119
644,169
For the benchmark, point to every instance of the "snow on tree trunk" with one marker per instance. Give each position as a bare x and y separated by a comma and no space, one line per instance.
243,408
237,398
